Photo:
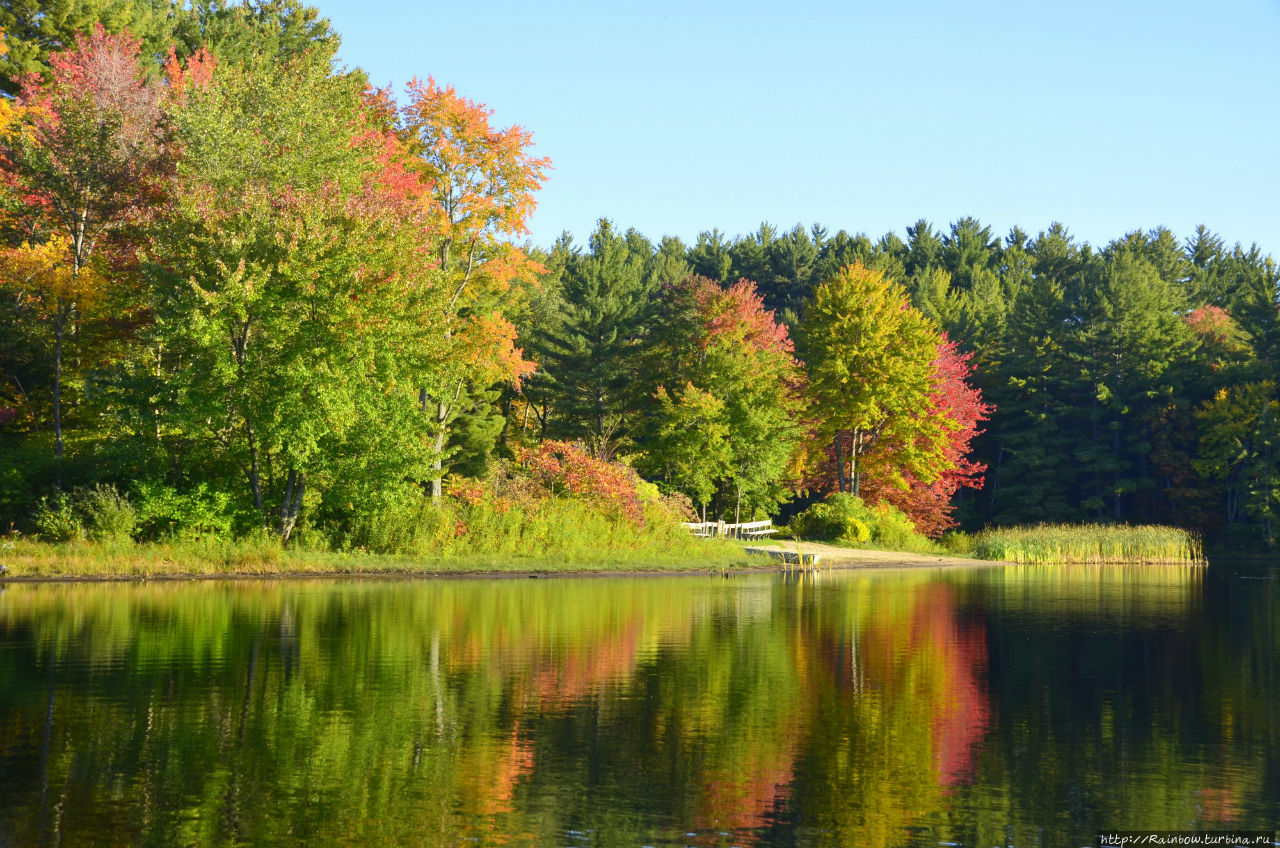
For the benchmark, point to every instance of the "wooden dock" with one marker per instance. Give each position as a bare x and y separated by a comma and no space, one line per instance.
797,558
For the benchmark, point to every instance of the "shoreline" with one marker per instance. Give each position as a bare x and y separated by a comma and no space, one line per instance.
833,559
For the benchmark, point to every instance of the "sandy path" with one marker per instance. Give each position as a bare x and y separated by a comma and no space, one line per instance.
857,558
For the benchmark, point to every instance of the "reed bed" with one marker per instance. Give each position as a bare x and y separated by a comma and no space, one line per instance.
1089,544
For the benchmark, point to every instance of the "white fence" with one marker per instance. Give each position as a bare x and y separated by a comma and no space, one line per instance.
747,530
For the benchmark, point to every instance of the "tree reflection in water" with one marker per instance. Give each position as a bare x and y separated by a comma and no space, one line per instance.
1027,705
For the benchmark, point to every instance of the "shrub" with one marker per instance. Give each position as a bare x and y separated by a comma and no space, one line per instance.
164,512
957,542
846,518
567,468
841,517
400,520
110,515
57,519
892,528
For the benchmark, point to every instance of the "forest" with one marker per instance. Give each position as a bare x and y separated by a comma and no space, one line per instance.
242,291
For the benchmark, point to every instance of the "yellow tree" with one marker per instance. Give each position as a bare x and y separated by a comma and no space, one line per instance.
53,290
870,361
481,183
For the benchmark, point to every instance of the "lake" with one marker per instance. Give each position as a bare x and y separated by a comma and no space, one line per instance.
981,707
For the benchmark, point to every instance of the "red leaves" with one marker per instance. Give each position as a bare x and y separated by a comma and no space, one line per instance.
567,468
91,155
929,505
736,315
1212,323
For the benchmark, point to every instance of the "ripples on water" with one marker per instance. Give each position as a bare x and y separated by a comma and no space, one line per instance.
993,706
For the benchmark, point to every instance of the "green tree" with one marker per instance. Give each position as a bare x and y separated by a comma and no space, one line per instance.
289,300
1240,452
734,362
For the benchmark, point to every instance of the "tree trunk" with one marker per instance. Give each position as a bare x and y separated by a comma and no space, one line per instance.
854,474
841,485
291,504
255,475
61,316
442,431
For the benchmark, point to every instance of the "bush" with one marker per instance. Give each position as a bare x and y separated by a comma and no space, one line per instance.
847,519
841,517
110,515
892,529
958,542
399,520
57,519
164,512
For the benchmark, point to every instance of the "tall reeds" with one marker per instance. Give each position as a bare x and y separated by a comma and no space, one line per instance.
1089,543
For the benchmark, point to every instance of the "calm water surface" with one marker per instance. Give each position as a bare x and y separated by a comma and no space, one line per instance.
980,707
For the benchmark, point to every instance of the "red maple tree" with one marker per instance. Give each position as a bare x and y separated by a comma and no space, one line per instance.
929,505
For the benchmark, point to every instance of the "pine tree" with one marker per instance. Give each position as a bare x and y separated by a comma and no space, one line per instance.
592,350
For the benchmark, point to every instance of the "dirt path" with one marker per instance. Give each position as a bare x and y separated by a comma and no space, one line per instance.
858,558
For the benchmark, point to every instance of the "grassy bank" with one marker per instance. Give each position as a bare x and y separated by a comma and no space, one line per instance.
1088,543
213,557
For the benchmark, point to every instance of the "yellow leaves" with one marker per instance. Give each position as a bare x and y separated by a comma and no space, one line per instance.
43,272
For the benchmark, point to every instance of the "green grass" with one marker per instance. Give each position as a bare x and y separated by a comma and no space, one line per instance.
1088,543
218,557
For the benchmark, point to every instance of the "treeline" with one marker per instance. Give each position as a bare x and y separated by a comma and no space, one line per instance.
1135,382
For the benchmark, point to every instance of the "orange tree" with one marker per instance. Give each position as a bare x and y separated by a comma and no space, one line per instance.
480,192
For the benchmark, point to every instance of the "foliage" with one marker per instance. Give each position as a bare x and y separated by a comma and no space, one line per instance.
847,519
567,468
840,517
479,192
236,30
930,506
58,520
109,514
164,512
86,159
742,394
869,357
288,288
595,342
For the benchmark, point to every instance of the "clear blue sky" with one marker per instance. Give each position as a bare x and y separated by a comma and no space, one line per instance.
674,118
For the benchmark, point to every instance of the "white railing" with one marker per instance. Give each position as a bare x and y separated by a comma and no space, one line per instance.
745,530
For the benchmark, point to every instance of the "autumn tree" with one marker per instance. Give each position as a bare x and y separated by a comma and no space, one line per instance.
729,424
234,30
930,506
481,192
86,159
869,357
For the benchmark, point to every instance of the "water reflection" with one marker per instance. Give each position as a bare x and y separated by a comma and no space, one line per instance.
1021,705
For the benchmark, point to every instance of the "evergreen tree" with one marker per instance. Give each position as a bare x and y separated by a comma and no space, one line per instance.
592,351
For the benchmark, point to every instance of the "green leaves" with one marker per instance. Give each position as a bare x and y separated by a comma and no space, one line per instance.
288,283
